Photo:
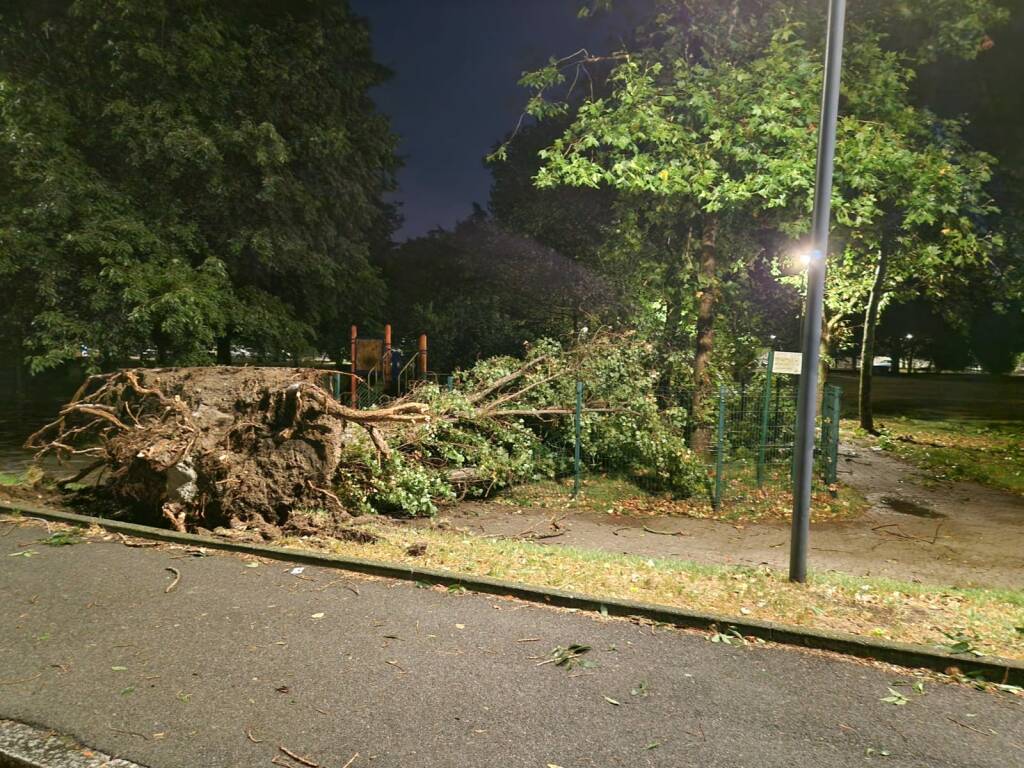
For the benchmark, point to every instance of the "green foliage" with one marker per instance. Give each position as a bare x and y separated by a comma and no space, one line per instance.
408,487
179,176
524,431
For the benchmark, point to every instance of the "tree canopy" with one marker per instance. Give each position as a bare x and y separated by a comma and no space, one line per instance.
710,119
185,175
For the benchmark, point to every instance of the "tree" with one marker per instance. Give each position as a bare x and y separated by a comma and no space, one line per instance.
915,221
997,337
482,290
187,174
715,112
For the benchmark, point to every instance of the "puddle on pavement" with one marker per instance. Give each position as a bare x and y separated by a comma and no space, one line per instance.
907,507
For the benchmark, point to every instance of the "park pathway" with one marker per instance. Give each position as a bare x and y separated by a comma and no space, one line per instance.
955,533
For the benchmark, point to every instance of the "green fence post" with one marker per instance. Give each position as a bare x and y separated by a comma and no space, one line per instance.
792,457
450,383
719,448
576,448
766,401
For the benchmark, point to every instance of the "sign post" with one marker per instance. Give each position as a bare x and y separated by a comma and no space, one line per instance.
766,401
807,394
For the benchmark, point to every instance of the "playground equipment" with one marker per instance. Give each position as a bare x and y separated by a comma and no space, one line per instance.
378,370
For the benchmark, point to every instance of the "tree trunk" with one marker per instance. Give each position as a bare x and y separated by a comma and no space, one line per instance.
675,295
867,347
828,326
700,406
224,349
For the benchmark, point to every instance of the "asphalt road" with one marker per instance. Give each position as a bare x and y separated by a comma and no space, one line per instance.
237,661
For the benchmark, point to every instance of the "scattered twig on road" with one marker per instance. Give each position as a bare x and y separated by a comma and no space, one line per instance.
527,639
899,533
349,587
665,533
250,737
351,760
21,680
128,543
539,536
142,736
522,532
177,578
298,759
968,726
396,665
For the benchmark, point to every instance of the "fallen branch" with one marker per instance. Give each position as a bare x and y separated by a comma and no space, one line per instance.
519,393
542,412
504,381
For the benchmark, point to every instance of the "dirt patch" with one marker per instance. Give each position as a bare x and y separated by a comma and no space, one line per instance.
975,539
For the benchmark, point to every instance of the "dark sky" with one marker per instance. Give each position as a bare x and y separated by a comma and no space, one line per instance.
454,92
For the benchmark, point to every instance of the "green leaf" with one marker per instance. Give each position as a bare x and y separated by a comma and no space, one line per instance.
895,698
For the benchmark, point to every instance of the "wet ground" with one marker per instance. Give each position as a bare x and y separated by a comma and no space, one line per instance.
960,534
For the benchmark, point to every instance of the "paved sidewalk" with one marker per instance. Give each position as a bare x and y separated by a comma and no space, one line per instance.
236,661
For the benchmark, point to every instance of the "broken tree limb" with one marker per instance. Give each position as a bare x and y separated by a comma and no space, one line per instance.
504,381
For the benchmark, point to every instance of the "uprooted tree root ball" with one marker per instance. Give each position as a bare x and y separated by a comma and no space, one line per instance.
269,449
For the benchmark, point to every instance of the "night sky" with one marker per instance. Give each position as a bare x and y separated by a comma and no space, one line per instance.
454,92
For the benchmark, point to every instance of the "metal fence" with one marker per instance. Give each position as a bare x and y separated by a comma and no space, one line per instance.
755,435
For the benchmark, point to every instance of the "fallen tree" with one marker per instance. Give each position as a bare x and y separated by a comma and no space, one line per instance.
269,449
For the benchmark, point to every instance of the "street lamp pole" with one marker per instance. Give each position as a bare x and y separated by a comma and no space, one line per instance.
807,401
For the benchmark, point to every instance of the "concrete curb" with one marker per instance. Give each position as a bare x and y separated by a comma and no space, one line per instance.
994,669
25,746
